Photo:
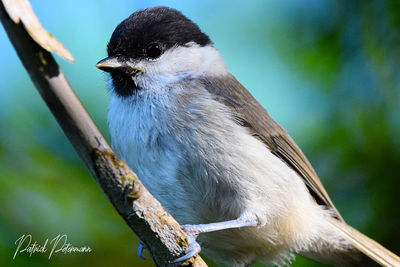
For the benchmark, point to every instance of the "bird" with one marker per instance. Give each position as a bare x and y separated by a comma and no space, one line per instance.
214,158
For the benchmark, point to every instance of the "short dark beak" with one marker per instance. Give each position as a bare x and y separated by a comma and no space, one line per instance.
110,64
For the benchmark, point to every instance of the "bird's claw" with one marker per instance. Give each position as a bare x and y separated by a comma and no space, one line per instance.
140,249
193,249
191,230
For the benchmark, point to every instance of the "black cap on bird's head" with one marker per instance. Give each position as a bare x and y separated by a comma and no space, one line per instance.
165,26
146,34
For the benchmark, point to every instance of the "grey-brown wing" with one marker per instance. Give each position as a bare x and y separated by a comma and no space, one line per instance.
252,115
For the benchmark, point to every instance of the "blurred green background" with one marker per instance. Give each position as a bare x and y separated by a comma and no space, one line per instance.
327,71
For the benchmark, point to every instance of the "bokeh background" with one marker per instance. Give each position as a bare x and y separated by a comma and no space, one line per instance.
327,71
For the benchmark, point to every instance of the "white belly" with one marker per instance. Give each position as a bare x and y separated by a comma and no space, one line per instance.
203,168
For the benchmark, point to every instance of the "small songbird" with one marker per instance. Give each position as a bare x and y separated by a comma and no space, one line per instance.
213,157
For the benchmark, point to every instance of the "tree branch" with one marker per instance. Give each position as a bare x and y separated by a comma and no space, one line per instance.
141,211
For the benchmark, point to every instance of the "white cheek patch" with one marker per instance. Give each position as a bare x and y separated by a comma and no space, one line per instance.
180,61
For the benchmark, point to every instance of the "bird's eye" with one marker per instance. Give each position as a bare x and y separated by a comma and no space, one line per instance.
153,50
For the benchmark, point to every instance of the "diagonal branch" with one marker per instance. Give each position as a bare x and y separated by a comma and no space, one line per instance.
140,210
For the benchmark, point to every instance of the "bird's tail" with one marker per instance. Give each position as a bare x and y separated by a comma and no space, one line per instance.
372,251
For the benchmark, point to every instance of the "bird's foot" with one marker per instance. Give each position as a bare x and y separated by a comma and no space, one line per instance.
193,230
193,249
140,249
